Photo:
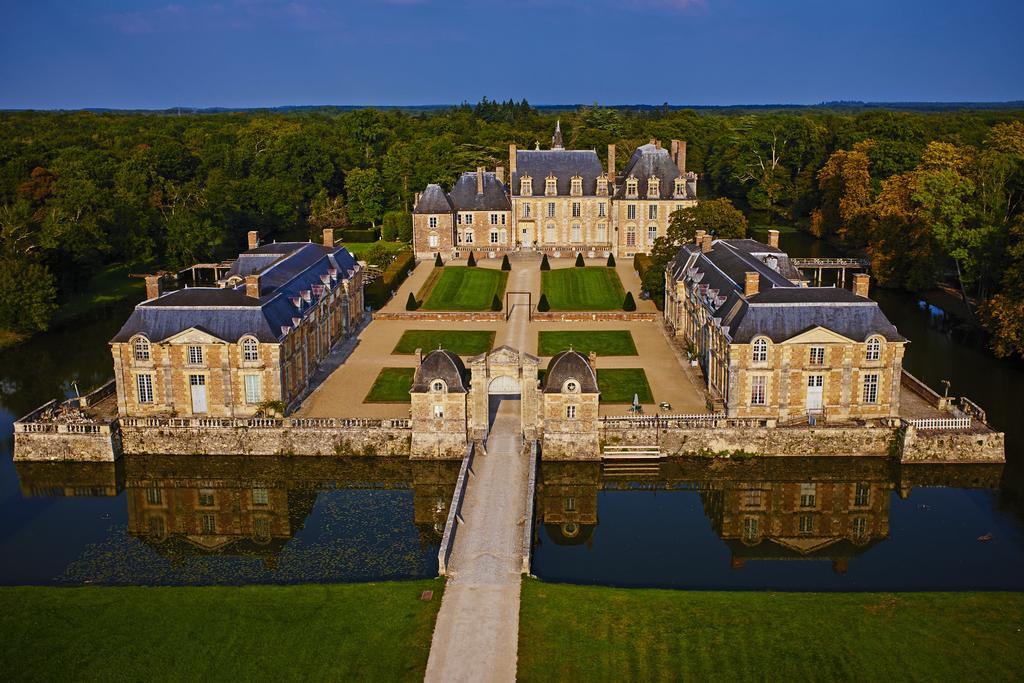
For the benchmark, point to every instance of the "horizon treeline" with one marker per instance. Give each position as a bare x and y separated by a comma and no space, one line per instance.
930,196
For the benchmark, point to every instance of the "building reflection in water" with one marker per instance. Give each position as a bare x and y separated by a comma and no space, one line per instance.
187,506
802,508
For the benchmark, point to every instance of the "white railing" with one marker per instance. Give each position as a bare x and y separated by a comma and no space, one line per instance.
696,420
940,423
263,423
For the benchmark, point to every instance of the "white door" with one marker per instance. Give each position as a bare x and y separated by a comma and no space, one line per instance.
198,385
503,385
814,391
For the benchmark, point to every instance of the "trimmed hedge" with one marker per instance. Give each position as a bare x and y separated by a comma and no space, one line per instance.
370,235
641,264
379,291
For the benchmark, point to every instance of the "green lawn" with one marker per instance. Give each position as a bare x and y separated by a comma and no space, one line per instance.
603,343
594,288
461,288
619,384
375,631
587,633
357,249
109,286
391,386
461,342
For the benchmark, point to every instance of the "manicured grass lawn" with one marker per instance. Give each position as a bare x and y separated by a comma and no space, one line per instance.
588,633
594,288
109,286
618,385
376,631
461,342
391,386
461,288
357,249
603,343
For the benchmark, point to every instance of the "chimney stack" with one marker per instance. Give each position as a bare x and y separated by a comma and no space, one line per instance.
861,284
154,286
479,179
511,160
681,157
705,244
773,239
328,237
252,286
611,164
415,200
499,173
254,239
751,283
698,236
592,359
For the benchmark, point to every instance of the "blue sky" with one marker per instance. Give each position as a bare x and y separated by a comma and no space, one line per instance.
240,53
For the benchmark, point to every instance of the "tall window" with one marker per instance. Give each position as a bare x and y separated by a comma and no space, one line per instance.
551,209
631,236
260,496
144,383
570,412
758,385
760,354
817,355
494,236
469,237
680,187
862,495
526,210
806,524
750,528
261,528
551,186
494,219
141,348
432,240
576,232
808,495
652,233
154,496
860,527
569,504
601,210
577,186
631,211
652,212
526,186
602,232
874,350
195,355
208,523
631,187
550,233
253,389
250,350
432,221
575,209
871,388
468,219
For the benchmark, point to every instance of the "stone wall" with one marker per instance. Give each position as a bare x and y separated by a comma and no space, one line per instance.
450,316
572,316
378,441
100,446
951,446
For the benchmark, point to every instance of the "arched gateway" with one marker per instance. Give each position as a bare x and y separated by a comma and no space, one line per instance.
503,372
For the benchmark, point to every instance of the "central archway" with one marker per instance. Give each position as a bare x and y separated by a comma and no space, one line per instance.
504,385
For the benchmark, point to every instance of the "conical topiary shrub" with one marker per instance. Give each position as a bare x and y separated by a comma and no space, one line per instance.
472,260
544,265
611,260
411,304
505,264
580,263
629,304
438,263
495,303
543,306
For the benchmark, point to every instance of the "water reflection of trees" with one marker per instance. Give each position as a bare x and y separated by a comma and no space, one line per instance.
821,508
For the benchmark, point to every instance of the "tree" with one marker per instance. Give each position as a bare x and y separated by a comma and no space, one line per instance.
543,306
191,238
394,225
611,260
411,304
327,212
27,295
544,265
495,303
580,263
438,263
365,195
716,217
505,264
472,261
845,184
628,303
379,255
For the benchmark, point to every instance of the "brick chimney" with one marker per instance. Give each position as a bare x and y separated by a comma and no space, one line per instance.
252,286
511,159
657,144
751,283
861,284
499,173
681,157
415,200
254,239
773,239
698,236
479,179
705,243
592,359
611,164
154,286
328,237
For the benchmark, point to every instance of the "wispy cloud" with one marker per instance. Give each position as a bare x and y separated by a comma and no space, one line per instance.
230,15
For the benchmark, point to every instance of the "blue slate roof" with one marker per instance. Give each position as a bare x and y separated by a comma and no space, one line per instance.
649,160
286,270
563,163
465,198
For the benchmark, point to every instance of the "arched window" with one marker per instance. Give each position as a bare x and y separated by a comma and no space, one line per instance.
250,350
140,348
571,386
437,386
874,349
760,351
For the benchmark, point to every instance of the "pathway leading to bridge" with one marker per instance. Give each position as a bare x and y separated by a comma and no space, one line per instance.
477,631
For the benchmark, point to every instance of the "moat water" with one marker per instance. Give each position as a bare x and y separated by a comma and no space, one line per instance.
867,525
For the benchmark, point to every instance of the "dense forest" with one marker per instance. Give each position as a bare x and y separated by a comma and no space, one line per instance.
930,196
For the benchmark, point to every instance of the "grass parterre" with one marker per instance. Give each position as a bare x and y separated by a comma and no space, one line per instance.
601,342
461,342
618,385
594,288
460,288
391,386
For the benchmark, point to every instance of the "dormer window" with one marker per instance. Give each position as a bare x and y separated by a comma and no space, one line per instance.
653,187
250,350
631,185
576,188
602,185
437,386
526,186
571,386
679,189
551,186
140,349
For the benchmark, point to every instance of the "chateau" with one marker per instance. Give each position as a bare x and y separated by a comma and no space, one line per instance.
557,200
255,337
771,347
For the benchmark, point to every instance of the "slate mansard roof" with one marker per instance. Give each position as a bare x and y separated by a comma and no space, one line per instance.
286,270
650,160
433,200
780,309
464,197
570,365
443,365
563,163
